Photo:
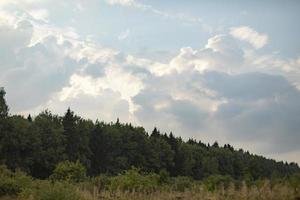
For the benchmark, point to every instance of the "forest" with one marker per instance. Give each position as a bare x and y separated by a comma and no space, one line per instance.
48,146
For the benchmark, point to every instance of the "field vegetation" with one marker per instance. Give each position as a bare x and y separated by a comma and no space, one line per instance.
69,182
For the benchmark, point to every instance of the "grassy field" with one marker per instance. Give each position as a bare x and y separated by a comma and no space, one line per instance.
133,185
277,193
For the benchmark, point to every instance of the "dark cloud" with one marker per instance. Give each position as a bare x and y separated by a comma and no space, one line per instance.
249,86
95,70
260,107
256,107
187,113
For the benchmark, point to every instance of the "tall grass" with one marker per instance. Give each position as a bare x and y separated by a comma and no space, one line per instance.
133,185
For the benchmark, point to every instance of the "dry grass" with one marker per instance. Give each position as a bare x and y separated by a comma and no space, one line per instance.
265,192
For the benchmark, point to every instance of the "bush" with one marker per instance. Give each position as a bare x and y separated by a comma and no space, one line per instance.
294,182
164,176
9,187
69,171
102,181
46,190
133,180
12,183
213,182
181,183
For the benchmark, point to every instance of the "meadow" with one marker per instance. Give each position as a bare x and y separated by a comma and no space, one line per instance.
70,183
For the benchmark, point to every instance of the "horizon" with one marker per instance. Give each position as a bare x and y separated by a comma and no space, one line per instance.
204,70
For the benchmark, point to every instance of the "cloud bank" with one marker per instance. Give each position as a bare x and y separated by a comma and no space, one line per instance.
222,91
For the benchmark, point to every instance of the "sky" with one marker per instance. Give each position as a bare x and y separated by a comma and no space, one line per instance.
210,70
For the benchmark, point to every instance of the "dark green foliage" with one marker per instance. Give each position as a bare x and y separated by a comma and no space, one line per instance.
117,147
52,149
3,105
164,176
76,133
37,144
20,144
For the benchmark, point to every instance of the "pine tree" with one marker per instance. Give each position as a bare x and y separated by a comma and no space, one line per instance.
155,133
76,132
3,106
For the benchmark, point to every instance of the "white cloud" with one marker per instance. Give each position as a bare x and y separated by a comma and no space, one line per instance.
123,2
40,14
106,105
221,54
245,33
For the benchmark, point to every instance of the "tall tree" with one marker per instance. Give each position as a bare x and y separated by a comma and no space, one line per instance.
69,122
19,143
3,124
52,151
3,105
77,133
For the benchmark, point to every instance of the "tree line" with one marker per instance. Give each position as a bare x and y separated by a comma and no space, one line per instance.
37,144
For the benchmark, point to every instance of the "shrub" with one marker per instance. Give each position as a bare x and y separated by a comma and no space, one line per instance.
9,187
164,176
294,182
12,183
4,172
213,182
46,190
181,183
69,171
102,181
133,180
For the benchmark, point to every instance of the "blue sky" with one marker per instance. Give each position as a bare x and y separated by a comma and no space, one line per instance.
211,70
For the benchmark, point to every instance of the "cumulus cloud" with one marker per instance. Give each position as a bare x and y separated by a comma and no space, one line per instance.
39,71
222,53
275,64
221,91
245,33
231,103
234,108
